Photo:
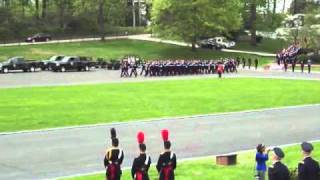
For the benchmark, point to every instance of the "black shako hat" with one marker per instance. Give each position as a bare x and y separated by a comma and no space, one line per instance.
278,152
306,147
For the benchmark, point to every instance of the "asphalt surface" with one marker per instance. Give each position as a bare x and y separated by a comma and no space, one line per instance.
64,152
47,78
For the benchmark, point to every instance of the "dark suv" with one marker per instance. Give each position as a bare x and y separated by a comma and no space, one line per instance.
72,63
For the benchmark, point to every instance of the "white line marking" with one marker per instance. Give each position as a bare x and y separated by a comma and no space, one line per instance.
181,160
157,120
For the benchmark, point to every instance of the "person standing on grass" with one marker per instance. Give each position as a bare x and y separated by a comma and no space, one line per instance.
256,63
141,164
249,62
261,158
285,63
113,158
167,161
134,67
243,63
238,61
143,68
293,64
278,171
220,69
302,65
309,66
308,168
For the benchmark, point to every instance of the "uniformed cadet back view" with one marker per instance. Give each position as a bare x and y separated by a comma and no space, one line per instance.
308,168
167,160
113,158
141,164
278,171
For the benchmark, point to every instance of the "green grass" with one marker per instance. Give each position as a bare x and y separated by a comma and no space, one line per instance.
267,45
206,169
115,49
47,107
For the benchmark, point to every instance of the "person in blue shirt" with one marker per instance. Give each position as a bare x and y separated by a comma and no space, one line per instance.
261,159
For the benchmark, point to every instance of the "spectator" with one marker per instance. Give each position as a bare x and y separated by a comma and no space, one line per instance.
308,168
278,171
261,158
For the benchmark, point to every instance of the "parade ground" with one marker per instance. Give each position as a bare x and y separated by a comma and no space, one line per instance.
159,89
79,149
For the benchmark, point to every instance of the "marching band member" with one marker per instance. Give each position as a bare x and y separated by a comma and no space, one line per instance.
167,160
113,158
141,164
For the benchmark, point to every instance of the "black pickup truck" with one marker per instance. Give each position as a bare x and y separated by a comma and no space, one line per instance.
19,63
73,63
47,64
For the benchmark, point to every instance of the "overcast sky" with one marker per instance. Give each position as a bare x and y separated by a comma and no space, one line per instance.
280,5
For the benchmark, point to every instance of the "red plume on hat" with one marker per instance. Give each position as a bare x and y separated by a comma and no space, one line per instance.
140,137
165,135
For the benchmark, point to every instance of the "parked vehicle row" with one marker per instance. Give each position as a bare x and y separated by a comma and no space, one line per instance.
58,63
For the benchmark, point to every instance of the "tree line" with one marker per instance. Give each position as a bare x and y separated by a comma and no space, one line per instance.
19,18
189,20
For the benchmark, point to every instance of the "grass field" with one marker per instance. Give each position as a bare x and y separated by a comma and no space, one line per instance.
47,107
267,45
115,49
205,168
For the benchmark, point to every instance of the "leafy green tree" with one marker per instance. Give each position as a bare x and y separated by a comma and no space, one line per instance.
192,19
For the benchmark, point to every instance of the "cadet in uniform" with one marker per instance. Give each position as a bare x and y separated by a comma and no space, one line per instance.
309,66
278,171
141,164
113,158
134,67
249,63
243,63
256,62
285,65
293,64
238,61
302,65
143,68
124,69
308,169
167,160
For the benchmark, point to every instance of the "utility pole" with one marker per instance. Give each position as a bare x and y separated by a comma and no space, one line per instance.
133,14
139,12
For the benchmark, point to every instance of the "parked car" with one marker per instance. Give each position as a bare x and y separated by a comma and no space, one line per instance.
40,37
47,64
72,63
217,43
206,43
19,63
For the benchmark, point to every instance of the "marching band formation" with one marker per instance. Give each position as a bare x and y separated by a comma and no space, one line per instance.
289,56
183,67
